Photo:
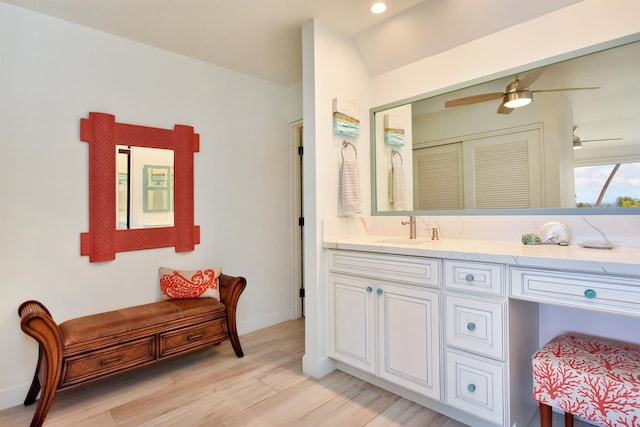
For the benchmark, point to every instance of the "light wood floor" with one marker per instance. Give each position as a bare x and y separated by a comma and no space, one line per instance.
212,387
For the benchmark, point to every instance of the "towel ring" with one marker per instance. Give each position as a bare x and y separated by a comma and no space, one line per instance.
396,152
346,144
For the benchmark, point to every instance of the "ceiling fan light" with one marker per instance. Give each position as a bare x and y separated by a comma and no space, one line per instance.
517,99
378,7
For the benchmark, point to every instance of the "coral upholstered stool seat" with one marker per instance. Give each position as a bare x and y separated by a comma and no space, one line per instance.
592,378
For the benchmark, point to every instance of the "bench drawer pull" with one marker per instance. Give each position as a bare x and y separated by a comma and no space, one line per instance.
590,293
109,360
194,337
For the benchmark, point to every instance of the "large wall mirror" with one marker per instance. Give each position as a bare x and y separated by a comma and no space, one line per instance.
462,152
140,187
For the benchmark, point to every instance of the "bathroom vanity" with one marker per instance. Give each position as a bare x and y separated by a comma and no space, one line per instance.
452,324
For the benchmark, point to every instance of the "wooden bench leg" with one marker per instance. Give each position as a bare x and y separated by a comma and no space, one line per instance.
546,415
568,419
48,389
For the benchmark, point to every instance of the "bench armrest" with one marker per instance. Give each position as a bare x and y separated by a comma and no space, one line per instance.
230,289
36,321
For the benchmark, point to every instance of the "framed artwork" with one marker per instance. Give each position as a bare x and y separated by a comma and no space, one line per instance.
393,130
345,118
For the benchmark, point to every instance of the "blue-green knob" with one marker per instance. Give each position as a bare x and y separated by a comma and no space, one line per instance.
469,277
379,291
471,387
590,293
369,289
471,326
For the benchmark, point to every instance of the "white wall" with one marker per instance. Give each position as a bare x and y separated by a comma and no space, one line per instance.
52,74
575,27
331,68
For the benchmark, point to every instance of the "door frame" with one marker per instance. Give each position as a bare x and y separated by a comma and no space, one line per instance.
297,270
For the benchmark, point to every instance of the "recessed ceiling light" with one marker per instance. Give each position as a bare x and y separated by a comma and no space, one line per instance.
378,7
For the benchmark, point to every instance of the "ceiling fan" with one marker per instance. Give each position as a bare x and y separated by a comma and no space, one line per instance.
577,141
516,95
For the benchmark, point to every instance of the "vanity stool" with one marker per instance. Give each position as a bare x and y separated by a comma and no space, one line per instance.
592,378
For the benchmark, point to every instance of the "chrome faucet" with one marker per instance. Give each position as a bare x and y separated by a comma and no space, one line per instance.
412,226
434,234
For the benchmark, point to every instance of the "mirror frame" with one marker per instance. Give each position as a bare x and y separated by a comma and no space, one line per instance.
510,72
102,241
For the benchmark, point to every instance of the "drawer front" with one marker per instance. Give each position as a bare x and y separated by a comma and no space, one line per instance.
475,326
103,362
476,386
192,337
405,269
474,277
596,292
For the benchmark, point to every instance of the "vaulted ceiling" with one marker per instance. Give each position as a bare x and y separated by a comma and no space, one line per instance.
262,38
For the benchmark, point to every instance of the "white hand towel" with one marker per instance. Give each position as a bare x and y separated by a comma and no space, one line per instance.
350,187
397,188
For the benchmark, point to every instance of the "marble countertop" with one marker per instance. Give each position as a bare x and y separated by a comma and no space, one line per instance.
619,260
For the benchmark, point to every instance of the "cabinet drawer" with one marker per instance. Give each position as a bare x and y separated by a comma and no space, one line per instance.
596,292
102,362
474,277
476,386
414,270
195,336
475,326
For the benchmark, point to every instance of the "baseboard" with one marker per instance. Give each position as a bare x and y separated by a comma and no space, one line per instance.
317,368
256,323
13,396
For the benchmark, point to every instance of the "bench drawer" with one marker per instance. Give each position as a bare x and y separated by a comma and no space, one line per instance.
192,337
116,358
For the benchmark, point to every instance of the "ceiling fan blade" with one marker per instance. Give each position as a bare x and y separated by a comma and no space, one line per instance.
474,99
529,78
504,110
604,139
564,89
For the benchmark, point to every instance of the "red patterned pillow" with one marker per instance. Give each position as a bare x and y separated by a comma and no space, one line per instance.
175,284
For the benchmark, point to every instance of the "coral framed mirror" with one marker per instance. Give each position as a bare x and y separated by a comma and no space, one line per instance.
104,239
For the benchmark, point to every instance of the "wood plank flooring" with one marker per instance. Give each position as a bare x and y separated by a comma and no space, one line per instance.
212,387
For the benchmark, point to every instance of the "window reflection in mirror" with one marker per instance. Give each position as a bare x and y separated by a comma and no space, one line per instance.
608,186
144,187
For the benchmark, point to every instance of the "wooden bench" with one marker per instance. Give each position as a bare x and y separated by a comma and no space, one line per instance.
95,346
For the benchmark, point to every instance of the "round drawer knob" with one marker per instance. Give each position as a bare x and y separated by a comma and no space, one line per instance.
379,291
471,326
590,293
471,388
369,289
469,277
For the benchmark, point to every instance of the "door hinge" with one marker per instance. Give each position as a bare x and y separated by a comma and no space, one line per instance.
302,293
300,150
301,221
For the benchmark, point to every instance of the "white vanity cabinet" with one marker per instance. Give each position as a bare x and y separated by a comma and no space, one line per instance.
384,318
488,344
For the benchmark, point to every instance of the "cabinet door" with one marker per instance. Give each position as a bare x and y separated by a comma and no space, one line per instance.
351,311
409,341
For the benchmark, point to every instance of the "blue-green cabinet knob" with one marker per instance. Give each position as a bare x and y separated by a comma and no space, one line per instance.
369,289
379,291
471,388
469,277
471,326
590,293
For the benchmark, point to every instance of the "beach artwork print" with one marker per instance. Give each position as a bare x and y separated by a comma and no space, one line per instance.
345,118
393,130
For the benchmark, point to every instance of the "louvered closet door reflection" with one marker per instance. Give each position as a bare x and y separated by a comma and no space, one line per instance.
438,178
506,171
